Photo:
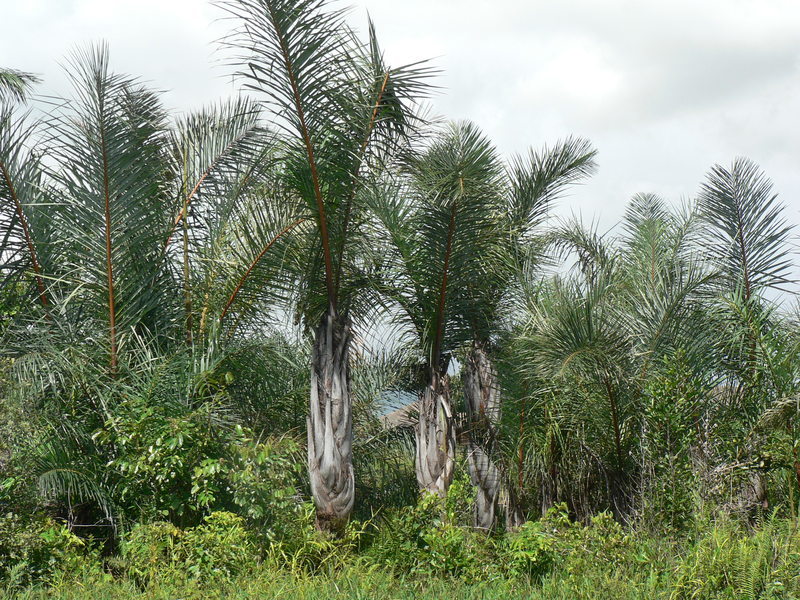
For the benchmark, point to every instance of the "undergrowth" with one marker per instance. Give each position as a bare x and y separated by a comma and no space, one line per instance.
415,552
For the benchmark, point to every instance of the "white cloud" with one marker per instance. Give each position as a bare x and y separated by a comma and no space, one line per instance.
663,89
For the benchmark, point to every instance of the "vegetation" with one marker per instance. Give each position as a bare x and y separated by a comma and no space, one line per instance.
578,415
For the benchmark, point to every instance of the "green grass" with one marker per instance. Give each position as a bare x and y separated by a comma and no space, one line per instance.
352,583
721,560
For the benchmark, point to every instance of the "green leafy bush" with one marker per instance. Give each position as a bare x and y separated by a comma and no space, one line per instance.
671,397
219,548
529,551
177,463
40,551
263,481
168,458
150,549
426,540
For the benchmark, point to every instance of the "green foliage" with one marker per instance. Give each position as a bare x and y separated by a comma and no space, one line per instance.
177,465
263,481
39,550
426,540
673,398
168,458
579,548
603,541
219,548
727,563
15,86
554,558
529,551
149,549
303,548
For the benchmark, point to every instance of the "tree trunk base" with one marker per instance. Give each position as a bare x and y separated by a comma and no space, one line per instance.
482,395
329,424
435,454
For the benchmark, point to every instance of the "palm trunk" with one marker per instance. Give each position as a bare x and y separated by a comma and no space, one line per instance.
329,423
483,410
436,440
549,484
515,517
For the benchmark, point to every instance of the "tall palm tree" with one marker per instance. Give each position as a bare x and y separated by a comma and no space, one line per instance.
111,209
341,113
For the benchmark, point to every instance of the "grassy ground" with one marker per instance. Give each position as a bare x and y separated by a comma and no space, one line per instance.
562,561
352,585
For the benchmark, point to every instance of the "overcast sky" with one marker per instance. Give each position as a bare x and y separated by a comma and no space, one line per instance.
664,89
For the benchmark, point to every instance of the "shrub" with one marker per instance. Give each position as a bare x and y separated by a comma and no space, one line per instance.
262,477
219,548
150,549
40,551
530,551
425,540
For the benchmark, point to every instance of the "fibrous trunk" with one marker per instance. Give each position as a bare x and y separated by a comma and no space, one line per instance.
436,439
329,424
515,517
482,397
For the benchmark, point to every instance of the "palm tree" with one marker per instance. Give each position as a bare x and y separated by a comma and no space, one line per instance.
532,183
341,113
440,224
748,241
457,232
111,210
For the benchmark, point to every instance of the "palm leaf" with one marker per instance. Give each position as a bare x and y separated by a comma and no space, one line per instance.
108,145
21,199
747,232
16,85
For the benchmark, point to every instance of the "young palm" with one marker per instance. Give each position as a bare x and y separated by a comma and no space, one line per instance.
596,334
748,239
531,184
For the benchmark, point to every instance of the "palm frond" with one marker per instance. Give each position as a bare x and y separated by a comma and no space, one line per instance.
15,86
540,177
747,232
107,146
22,196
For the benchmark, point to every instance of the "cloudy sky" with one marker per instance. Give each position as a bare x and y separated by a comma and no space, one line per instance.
664,89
